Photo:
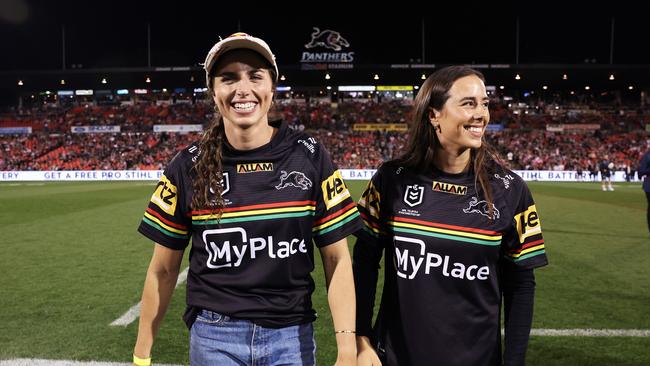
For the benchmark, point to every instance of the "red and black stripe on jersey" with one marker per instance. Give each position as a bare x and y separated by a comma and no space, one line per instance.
444,249
254,261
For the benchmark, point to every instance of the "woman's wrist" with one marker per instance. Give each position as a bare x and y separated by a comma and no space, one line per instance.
140,361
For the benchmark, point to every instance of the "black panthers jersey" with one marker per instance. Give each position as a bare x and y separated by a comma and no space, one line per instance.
444,247
254,262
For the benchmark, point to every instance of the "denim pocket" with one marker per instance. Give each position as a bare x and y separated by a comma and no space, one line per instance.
211,317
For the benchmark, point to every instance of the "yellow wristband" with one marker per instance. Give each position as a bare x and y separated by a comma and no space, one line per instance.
141,361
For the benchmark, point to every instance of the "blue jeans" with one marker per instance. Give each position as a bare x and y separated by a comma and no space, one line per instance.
217,339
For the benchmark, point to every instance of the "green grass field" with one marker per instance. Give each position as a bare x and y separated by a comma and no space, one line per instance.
72,263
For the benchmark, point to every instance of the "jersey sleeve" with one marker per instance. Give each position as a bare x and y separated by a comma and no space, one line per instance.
367,253
370,210
336,214
523,243
165,220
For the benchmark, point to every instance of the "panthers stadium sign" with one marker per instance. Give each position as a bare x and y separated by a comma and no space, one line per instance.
327,49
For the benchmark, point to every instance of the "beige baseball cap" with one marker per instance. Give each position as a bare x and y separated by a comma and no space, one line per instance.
237,41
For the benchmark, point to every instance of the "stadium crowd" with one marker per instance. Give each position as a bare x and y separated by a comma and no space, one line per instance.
524,141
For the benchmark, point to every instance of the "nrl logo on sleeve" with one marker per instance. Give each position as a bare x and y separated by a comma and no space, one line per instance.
528,223
449,188
254,167
334,190
165,196
413,195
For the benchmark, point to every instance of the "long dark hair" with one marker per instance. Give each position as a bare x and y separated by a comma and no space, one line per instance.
208,169
423,142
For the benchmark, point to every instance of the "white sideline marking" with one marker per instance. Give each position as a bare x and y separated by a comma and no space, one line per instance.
38,362
134,312
534,332
588,332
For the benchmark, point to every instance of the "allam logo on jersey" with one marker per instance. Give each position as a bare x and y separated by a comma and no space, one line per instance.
254,167
528,223
449,188
165,196
334,190
293,179
413,195
411,259
228,247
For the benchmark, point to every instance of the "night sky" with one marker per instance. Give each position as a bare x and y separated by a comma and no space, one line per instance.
114,33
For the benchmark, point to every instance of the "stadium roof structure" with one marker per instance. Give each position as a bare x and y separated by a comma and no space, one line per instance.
126,43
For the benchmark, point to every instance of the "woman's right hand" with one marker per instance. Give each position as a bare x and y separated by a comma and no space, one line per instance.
366,355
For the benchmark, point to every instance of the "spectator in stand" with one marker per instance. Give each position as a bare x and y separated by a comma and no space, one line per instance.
579,172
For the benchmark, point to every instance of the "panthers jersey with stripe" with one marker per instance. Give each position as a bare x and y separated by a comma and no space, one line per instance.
444,247
254,262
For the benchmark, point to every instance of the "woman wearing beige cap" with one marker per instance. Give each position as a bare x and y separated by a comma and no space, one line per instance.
252,194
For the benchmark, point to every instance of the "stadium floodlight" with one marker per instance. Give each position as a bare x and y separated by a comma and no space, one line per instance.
587,87
327,76
329,87
104,81
147,80
517,77
545,87
630,87
501,87
20,83
283,78
62,82
564,77
611,76
423,77
376,77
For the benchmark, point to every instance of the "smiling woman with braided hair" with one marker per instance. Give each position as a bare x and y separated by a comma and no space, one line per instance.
252,195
